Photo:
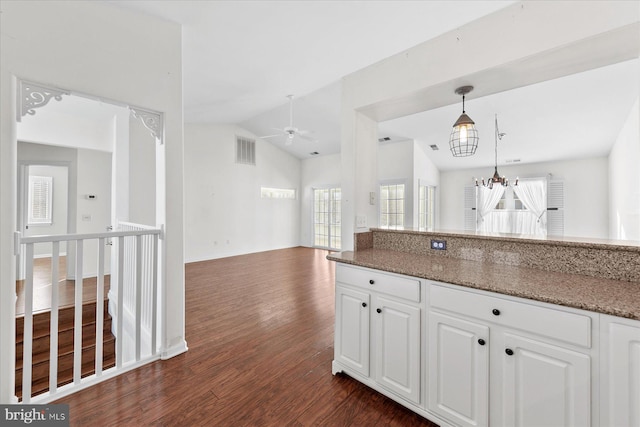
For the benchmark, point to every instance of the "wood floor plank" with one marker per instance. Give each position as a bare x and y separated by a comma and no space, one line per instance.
260,333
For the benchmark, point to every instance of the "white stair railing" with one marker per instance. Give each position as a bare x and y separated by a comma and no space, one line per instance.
139,302
142,295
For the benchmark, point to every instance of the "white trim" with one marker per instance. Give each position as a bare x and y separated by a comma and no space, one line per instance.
175,350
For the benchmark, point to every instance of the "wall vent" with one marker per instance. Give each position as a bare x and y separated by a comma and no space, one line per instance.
512,161
245,150
314,153
434,147
384,139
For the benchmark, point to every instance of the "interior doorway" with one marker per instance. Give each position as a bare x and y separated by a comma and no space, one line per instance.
43,206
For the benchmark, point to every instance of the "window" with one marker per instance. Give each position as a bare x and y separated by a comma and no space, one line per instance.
510,201
326,218
277,193
427,208
39,199
392,206
245,151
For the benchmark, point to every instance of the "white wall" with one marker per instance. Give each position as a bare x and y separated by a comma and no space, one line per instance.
624,180
224,212
316,172
77,46
585,193
93,216
142,174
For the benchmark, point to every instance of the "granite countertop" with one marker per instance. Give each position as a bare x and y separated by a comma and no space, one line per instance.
607,296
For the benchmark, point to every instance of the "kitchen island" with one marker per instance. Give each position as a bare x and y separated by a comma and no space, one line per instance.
493,330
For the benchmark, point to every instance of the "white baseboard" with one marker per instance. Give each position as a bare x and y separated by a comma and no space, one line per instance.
175,350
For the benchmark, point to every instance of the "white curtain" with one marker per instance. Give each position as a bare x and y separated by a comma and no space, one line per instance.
487,201
533,195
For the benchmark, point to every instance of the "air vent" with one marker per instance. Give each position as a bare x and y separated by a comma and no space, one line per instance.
314,153
513,161
385,139
245,151
434,147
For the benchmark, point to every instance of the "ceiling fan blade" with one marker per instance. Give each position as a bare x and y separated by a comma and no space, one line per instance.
270,136
308,138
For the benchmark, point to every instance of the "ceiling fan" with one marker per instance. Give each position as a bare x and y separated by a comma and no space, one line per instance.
291,131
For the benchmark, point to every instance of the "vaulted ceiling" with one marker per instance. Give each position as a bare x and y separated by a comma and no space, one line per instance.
241,59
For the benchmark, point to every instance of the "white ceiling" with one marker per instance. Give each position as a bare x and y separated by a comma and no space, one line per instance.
577,116
241,59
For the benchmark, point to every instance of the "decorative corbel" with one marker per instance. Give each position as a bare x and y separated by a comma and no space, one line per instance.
32,95
151,120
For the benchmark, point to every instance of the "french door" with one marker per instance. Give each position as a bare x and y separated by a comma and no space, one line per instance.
326,218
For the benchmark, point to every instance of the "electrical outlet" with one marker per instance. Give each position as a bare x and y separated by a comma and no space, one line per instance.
439,245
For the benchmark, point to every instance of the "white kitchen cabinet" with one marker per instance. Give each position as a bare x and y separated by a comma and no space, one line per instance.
397,346
378,324
543,384
539,360
458,369
352,329
620,372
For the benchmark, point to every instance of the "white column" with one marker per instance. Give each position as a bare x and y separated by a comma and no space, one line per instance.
359,151
8,174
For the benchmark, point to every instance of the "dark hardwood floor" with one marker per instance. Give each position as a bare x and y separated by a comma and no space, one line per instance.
260,333
66,288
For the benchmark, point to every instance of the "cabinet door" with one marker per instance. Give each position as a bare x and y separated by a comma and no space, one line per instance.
543,384
352,329
397,347
621,373
458,370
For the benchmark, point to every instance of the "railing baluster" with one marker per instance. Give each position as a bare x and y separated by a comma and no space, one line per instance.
120,314
77,321
53,326
138,295
27,340
99,307
154,293
138,300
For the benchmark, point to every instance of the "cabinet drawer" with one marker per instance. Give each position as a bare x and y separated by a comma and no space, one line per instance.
398,286
556,324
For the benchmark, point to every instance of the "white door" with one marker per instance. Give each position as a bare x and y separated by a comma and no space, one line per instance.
543,384
458,370
352,329
397,347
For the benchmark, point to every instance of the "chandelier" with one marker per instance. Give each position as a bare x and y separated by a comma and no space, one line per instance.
463,140
496,178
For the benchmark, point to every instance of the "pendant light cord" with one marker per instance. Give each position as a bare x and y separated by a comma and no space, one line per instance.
496,139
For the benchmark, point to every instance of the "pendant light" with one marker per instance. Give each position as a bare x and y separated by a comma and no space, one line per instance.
496,178
463,140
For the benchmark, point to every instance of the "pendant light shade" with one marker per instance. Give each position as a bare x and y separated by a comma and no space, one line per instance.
463,140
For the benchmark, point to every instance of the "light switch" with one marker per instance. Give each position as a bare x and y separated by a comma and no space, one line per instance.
361,221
